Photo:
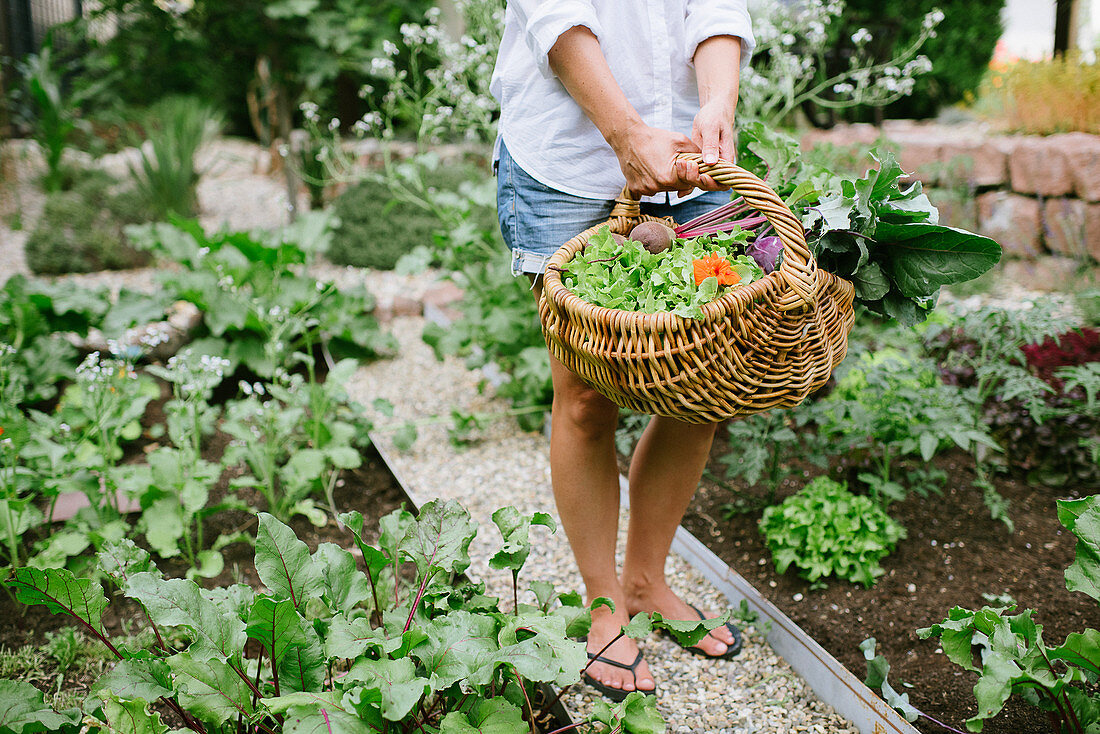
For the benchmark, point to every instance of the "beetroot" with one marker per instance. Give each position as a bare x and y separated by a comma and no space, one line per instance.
655,236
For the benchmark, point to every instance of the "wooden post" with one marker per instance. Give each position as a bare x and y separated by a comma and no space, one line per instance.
1066,22
7,75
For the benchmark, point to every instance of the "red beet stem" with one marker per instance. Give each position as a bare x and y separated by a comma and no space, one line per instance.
746,223
725,211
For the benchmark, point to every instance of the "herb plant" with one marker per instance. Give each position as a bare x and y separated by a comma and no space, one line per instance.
825,530
329,646
893,412
760,447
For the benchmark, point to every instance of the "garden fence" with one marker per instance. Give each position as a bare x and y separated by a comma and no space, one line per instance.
23,27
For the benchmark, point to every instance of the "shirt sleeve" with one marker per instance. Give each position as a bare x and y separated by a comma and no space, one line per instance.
543,21
707,18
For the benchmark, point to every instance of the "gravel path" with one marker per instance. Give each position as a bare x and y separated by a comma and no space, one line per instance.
755,692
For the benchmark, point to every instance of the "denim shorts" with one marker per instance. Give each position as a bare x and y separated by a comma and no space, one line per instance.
537,220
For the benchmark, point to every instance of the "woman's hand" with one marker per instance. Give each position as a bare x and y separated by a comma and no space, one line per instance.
712,131
647,156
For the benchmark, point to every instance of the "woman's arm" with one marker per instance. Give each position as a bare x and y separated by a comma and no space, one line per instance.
717,68
646,154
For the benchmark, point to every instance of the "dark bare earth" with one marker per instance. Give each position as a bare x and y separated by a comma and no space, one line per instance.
954,553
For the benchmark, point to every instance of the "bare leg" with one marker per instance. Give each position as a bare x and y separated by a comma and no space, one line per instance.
664,473
585,476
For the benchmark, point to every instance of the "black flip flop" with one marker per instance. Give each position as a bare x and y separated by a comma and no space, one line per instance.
616,694
731,650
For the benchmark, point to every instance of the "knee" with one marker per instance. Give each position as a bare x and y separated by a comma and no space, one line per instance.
586,411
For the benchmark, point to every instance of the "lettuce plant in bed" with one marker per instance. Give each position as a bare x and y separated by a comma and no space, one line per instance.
681,280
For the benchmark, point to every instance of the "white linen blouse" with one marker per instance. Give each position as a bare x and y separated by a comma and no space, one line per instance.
649,45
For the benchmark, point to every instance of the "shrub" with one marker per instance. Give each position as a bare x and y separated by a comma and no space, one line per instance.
1045,97
825,530
960,51
83,229
377,227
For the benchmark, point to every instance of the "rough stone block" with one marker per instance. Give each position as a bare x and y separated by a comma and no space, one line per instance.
956,209
1092,230
975,162
1082,152
919,156
1039,166
443,294
1048,273
1011,220
1064,226
406,306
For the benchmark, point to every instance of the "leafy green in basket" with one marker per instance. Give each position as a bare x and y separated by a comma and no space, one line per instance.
628,277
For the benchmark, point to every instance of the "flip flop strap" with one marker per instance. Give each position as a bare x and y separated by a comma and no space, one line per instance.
608,661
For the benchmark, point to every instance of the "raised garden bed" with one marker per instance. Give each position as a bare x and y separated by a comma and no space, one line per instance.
953,555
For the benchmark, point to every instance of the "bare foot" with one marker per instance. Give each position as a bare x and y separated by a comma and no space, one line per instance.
657,597
605,627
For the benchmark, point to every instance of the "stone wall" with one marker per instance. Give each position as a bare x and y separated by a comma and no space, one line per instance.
1037,196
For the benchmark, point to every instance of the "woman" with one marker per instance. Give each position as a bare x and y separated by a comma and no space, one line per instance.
595,95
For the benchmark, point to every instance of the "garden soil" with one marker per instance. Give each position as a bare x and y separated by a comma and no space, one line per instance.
954,553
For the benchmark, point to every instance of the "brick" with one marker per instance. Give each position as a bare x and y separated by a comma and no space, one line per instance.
1013,221
1038,166
1082,152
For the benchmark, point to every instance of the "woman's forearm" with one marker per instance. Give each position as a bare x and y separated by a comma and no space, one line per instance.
579,63
717,69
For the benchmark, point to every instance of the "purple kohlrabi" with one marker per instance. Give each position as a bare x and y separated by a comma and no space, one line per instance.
765,251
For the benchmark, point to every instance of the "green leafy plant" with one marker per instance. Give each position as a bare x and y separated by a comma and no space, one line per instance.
328,645
760,447
54,114
1013,659
1013,358
167,177
888,242
295,437
259,310
825,530
893,410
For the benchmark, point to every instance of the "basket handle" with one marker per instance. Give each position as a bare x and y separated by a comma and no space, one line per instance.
798,270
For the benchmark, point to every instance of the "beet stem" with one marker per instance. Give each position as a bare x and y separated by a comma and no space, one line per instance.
736,206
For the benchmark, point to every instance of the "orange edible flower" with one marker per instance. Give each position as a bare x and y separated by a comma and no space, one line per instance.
717,266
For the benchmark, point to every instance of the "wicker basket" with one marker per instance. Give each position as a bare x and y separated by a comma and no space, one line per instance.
764,345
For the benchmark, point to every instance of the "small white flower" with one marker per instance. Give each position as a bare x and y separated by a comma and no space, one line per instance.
389,48
861,36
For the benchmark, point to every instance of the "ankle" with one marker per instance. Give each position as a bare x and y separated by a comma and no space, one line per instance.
642,585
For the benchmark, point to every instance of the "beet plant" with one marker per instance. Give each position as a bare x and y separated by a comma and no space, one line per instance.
405,643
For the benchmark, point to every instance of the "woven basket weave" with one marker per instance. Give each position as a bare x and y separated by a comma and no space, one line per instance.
764,345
